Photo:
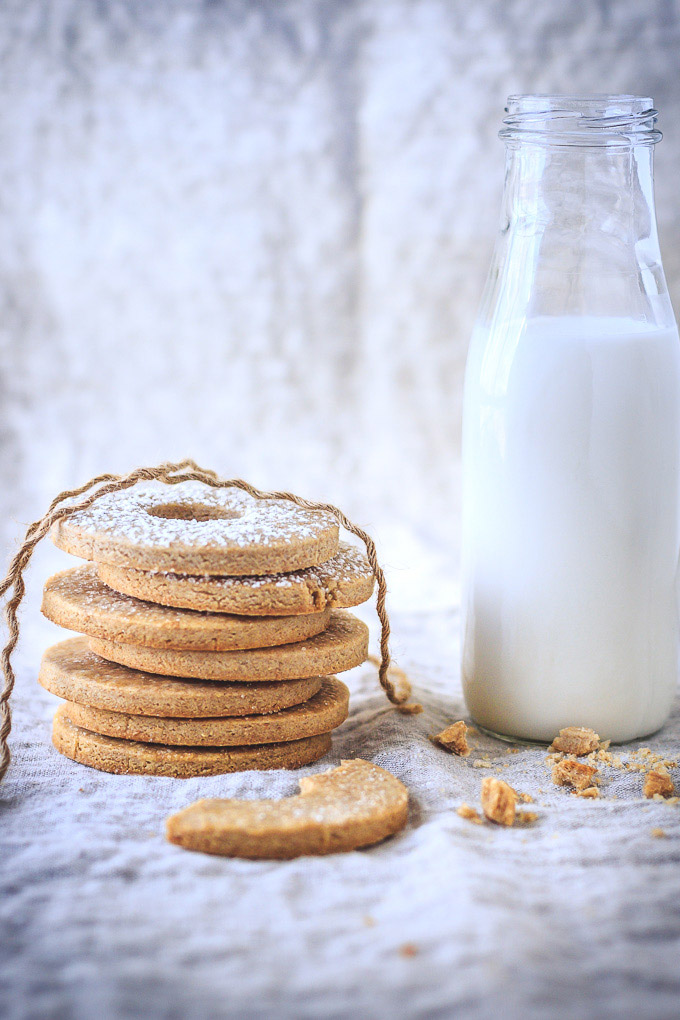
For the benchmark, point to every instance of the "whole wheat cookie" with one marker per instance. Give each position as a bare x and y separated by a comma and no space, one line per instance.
341,646
321,714
78,600
354,805
73,672
345,580
192,528
131,757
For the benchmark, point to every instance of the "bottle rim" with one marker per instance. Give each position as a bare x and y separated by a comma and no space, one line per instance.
596,119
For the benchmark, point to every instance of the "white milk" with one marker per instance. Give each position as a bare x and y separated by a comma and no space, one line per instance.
571,457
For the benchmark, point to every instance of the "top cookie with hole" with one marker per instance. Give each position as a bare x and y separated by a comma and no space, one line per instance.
192,528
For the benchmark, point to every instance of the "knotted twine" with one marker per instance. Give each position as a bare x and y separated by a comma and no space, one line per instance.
172,474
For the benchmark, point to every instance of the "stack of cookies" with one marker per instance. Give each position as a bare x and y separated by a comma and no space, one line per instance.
212,625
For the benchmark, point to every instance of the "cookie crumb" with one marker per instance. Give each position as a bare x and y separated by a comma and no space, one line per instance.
526,818
465,811
408,949
453,739
658,783
576,740
412,708
658,833
498,801
369,922
590,792
573,773
479,763
526,798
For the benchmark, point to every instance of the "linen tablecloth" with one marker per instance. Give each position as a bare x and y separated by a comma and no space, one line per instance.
576,916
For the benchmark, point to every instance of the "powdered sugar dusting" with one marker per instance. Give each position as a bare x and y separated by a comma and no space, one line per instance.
349,563
134,516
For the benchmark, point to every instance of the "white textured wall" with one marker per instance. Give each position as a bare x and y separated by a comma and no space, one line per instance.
256,233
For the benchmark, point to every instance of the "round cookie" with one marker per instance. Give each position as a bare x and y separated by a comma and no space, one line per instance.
131,757
192,528
73,672
321,714
78,600
343,581
343,645
354,805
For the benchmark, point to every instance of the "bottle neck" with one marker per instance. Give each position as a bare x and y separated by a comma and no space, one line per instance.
591,204
578,232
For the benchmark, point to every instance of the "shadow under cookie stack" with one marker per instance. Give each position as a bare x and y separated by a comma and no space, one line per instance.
212,623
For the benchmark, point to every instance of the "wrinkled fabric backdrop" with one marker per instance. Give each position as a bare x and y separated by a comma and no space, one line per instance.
256,233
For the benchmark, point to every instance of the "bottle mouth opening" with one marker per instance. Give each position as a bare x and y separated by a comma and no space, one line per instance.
581,120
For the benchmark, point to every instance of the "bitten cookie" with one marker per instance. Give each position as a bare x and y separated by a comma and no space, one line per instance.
343,645
192,528
345,580
351,806
130,757
73,672
78,600
321,714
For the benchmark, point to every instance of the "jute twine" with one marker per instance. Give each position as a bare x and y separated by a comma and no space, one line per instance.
186,470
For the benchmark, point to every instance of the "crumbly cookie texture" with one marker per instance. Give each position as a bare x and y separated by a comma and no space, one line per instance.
354,805
73,672
590,793
412,708
499,804
343,645
642,760
576,740
499,801
470,813
454,739
658,784
321,714
343,581
130,757
192,528
78,600
573,773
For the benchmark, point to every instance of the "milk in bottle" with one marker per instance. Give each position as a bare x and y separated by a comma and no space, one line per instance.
571,438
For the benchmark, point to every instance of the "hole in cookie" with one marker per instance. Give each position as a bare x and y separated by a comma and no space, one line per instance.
193,512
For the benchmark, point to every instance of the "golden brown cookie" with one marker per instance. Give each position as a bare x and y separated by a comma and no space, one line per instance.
343,645
130,757
73,672
77,599
343,581
192,528
321,714
354,805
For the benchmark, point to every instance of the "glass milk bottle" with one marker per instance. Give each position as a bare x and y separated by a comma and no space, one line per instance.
571,435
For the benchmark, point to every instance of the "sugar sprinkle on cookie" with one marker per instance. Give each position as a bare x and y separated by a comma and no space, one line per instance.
341,582
198,529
